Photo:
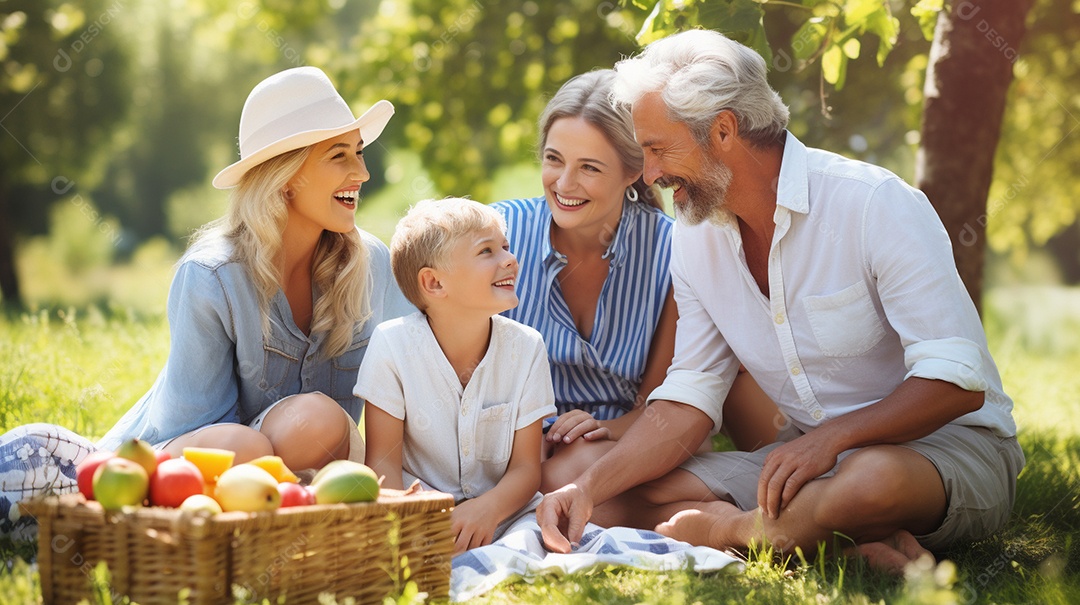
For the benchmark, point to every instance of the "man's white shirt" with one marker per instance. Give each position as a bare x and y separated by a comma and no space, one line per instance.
863,294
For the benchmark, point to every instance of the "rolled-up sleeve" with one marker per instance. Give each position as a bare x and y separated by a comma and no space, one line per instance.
910,255
199,385
955,360
704,366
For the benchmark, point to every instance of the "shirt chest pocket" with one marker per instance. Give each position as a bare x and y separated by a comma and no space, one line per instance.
494,433
845,323
279,361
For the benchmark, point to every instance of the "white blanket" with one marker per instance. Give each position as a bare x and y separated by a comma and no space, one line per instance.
521,553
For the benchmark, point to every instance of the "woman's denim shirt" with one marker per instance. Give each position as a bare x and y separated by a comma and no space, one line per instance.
221,369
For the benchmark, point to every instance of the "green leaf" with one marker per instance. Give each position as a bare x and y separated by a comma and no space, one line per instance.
760,43
927,11
857,11
740,20
734,16
852,48
831,63
656,25
808,40
887,28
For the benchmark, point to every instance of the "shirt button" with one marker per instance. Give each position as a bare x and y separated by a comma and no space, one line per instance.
465,450
464,410
795,371
779,318
817,414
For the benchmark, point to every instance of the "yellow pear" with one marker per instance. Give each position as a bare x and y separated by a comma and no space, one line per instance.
247,488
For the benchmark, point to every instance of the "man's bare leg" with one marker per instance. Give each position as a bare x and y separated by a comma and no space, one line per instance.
878,497
654,502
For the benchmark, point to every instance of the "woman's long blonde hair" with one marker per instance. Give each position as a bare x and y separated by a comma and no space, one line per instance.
253,225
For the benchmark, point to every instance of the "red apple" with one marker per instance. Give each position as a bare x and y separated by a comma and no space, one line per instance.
294,494
84,473
162,456
174,481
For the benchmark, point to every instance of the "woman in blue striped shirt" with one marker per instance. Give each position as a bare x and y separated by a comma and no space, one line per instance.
594,254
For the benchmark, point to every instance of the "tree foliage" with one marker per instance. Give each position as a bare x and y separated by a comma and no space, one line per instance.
62,92
146,105
1033,197
469,79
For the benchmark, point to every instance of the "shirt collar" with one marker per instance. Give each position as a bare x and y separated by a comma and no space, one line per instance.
616,250
793,189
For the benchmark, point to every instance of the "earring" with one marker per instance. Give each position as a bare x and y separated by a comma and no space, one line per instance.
631,194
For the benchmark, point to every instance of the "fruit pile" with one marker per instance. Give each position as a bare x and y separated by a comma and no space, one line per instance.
206,480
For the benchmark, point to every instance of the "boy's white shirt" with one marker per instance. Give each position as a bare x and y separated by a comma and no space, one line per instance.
457,439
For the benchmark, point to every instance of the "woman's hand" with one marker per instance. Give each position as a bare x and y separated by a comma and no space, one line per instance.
473,525
574,424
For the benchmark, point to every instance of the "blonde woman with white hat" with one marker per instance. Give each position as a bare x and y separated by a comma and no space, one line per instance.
272,306
270,309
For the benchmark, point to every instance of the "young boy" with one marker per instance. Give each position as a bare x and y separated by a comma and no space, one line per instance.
456,394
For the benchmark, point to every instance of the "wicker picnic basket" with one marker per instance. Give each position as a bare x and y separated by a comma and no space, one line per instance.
349,550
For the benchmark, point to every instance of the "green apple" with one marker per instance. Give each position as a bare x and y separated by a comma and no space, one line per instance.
141,452
120,482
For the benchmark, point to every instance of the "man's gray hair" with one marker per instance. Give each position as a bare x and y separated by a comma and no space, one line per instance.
699,73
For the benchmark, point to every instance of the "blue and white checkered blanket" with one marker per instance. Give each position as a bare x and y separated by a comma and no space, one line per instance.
520,553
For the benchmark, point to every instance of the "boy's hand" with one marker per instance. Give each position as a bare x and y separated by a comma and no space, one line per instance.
473,525
574,424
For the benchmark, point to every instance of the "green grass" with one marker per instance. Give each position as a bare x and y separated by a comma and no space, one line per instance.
84,369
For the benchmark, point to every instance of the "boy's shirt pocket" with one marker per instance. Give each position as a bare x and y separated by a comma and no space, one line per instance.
494,432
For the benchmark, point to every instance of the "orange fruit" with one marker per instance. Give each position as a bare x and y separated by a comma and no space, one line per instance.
211,461
276,468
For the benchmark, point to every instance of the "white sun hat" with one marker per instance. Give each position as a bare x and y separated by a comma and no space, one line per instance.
293,109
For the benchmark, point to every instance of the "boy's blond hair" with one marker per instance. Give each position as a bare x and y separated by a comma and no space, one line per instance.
425,236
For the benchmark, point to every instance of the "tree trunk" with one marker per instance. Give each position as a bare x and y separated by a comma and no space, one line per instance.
9,279
967,80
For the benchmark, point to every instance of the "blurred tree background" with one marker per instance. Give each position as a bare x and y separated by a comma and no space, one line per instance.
115,114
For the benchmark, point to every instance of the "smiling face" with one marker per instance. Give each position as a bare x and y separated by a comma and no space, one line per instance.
584,179
324,192
480,273
674,159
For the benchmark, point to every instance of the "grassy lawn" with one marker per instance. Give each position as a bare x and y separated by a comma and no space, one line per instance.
82,370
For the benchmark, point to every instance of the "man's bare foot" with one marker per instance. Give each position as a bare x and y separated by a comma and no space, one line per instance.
892,554
705,527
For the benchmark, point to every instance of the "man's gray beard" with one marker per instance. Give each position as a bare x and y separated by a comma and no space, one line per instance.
707,198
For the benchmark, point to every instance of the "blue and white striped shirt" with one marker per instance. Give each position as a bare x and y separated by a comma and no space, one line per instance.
601,375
